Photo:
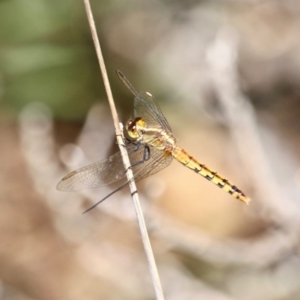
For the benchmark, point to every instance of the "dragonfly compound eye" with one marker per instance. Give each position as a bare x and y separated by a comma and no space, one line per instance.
132,128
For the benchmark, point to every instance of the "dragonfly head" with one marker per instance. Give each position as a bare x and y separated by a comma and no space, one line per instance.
135,127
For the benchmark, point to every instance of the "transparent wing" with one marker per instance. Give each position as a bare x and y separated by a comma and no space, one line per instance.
145,106
111,170
97,174
158,161
154,164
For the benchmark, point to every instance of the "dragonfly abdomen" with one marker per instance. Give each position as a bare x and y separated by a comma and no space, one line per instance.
187,160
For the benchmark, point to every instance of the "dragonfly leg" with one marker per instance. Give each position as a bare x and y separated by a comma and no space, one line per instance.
136,144
127,141
130,142
146,155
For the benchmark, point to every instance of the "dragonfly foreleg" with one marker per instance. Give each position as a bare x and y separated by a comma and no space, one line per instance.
146,155
137,146
127,141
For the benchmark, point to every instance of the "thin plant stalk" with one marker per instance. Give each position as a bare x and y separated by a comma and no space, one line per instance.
119,134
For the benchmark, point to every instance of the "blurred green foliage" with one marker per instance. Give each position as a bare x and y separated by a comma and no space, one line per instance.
46,55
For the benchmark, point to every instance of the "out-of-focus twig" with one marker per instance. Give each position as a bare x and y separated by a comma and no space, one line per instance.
241,122
262,251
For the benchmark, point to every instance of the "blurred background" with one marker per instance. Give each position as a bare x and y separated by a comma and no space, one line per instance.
227,76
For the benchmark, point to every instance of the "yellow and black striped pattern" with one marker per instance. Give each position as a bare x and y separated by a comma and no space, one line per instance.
187,160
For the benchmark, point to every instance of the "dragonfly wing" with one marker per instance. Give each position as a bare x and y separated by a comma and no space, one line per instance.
146,107
157,161
104,172
95,175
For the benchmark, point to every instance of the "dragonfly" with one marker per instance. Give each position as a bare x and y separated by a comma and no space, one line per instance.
151,148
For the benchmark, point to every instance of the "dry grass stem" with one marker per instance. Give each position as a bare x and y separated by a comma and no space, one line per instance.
135,197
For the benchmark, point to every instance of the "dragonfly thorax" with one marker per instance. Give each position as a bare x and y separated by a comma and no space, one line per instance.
155,136
135,128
